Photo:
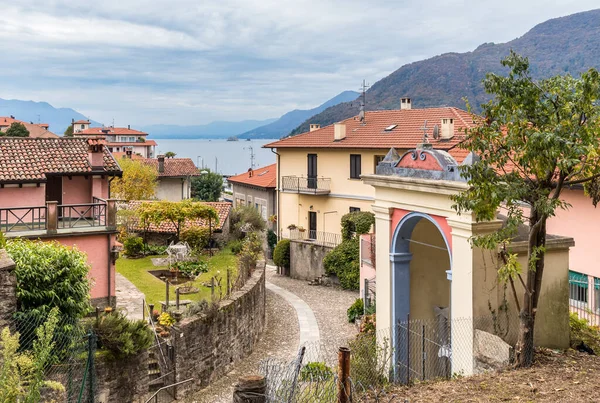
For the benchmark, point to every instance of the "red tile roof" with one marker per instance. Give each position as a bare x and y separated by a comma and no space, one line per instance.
79,122
174,167
372,135
39,130
25,159
265,177
110,130
167,227
146,143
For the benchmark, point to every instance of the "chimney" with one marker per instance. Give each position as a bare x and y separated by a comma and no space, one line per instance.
339,131
250,173
95,155
161,163
314,126
447,131
129,127
405,103
128,153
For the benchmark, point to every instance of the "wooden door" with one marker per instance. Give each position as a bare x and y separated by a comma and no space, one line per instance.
312,225
54,190
312,171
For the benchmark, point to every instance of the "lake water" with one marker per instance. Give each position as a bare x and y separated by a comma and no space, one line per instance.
229,157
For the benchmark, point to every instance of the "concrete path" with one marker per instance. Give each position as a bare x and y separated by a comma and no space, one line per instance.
307,322
129,298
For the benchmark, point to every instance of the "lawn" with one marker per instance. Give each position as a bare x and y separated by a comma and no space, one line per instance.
136,271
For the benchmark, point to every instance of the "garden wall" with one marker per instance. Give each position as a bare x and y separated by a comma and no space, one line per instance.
124,380
206,348
306,259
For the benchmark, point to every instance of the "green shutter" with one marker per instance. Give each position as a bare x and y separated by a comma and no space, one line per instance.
597,283
579,279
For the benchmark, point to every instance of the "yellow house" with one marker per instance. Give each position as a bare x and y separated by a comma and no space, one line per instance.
319,172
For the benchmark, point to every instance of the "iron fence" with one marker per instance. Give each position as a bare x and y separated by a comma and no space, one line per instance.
306,185
22,219
584,298
82,215
316,237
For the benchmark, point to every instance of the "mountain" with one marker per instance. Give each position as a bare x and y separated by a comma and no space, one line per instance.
29,111
568,44
288,122
210,130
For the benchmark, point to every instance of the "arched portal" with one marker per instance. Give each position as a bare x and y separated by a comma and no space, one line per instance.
421,269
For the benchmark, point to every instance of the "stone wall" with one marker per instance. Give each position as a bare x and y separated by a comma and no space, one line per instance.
124,380
8,289
306,259
206,348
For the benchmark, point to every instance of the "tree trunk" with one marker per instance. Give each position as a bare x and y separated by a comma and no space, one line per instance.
524,350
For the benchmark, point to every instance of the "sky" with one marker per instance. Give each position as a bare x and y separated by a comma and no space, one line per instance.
187,62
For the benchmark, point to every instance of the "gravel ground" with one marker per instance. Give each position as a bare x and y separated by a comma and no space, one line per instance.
279,340
328,303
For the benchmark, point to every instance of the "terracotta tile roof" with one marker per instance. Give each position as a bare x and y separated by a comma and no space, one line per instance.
111,131
265,177
166,227
174,167
372,135
36,130
146,143
25,159
80,122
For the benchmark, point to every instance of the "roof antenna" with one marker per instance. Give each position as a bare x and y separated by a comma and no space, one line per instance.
363,102
251,156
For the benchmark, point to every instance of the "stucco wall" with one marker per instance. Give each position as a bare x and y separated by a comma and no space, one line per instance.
306,260
77,190
171,189
266,198
28,196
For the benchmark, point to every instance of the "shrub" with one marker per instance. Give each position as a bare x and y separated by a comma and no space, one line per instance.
583,332
271,239
356,310
197,237
343,261
165,319
369,361
191,269
281,254
245,219
2,241
236,246
358,222
251,251
153,250
133,245
121,337
316,371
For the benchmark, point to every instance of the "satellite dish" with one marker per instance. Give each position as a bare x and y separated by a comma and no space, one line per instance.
436,132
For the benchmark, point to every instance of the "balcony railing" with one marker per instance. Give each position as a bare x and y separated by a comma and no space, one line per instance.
23,219
53,217
367,249
316,237
299,184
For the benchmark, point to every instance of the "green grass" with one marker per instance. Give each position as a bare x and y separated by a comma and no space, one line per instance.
136,271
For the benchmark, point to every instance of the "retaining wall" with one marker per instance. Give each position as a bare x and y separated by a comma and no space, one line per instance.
306,259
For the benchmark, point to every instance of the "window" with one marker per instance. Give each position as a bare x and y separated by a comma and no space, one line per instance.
354,166
256,206
578,288
82,127
354,209
377,160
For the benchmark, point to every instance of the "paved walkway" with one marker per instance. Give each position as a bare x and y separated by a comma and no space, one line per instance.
309,328
129,298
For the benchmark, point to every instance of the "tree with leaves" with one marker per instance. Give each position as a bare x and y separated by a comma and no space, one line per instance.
207,186
137,183
535,139
170,154
68,132
17,129
176,213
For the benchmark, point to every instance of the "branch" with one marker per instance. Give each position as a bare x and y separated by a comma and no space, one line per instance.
578,181
559,185
512,286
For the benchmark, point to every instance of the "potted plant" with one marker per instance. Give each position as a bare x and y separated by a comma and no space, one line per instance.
301,228
291,227
273,218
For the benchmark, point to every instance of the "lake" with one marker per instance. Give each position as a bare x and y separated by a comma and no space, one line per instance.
229,157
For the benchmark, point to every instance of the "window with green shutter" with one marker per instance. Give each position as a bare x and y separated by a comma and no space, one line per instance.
578,287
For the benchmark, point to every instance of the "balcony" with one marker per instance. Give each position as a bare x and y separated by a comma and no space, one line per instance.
316,237
54,218
310,186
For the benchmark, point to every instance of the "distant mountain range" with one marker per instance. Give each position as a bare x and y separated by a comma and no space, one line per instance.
41,112
210,130
288,122
562,45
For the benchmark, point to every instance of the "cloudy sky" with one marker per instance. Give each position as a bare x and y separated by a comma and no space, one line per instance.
195,61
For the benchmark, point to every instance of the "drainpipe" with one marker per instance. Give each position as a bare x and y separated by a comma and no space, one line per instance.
277,194
109,182
108,268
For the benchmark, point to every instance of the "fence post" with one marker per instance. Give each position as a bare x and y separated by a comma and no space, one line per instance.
177,298
297,368
151,309
250,389
92,372
167,296
212,288
407,349
343,386
228,281
143,309
365,293
423,351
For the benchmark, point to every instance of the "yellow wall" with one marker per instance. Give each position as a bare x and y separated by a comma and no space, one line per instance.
345,192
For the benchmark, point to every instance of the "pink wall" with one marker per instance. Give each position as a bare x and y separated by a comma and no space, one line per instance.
366,270
96,247
398,214
77,190
23,197
581,222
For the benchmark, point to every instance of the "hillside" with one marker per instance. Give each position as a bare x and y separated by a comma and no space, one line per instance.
210,130
568,44
288,122
29,111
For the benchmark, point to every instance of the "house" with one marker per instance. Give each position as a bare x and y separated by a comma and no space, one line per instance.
319,172
256,188
430,276
36,130
118,139
166,232
57,189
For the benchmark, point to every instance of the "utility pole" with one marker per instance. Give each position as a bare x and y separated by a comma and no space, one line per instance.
216,164
363,102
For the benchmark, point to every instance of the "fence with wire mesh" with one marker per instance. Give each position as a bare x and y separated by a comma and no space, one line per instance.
412,351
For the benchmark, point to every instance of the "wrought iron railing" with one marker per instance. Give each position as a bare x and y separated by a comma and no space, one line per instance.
310,185
367,249
82,215
17,219
316,237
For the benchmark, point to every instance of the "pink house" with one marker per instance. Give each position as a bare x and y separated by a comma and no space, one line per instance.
57,189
